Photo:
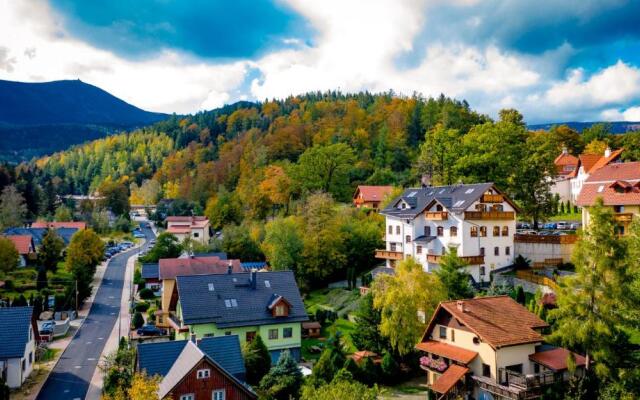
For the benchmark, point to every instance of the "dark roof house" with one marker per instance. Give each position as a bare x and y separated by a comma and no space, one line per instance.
243,299
14,335
38,233
150,271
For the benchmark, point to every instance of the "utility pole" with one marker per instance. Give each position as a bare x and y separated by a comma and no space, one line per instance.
77,310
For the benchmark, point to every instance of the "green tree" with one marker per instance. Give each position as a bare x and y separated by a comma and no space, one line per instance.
167,246
598,131
84,253
512,116
257,360
331,360
326,168
438,155
13,208
63,214
389,368
138,320
342,387
367,334
223,209
283,380
51,250
115,197
453,275
238,242
283,244
401,297
9,256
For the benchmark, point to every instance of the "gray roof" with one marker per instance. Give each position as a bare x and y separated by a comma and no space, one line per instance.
201,305
38,233
220,255
150,271
157,358
455,198
14,334
225,350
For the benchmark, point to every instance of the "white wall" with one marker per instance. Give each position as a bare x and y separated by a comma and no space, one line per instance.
15,375
562,187
539,252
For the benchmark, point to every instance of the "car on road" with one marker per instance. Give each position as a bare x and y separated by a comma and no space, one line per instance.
562,225
152,241
549,225
150,330
138,235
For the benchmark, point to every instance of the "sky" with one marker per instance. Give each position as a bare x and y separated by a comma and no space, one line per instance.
554,60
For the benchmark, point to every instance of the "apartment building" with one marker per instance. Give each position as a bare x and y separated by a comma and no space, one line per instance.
476,220
491,348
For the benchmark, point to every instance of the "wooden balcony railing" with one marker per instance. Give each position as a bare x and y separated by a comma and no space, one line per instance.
471,260
623,217
489,215
389,255
537,279
492,198
436,215
552,239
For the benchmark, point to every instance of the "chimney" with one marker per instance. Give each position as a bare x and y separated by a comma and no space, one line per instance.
460,305
607,151
425,180
254,277
564,150
193,338
230,267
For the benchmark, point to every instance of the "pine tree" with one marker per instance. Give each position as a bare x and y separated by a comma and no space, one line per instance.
367,334
283,380
453,276
257,360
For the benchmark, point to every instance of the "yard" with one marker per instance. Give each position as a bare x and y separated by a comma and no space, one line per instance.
23,281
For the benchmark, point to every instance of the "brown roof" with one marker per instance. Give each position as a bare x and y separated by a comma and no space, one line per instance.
373,193
23,243
587,161
602,183
197,221
44,224
178,229
449,379
556,359
169,268
448,351
311,325
565,159
606,160
497,320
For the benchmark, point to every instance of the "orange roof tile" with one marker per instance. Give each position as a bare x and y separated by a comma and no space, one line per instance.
563,160
448,351
23,243
373,193
602,184
556,359
448,380
44,224
587,161
497,320
606,160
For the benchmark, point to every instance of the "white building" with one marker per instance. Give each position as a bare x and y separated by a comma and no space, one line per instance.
475,219
587,165
196,228
17,345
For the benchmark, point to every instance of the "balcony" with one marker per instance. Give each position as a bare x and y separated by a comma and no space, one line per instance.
517,386
492,198
389,255
489,215
436,215
623,217
176,323
471,260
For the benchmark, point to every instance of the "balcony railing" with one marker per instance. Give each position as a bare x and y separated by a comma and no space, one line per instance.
437,215
176,323
513,385
492,198
551,239
623,217
489,215
389,255
471,260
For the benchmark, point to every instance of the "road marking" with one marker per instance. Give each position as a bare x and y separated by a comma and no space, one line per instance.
78,366
91,359
100,338
88,342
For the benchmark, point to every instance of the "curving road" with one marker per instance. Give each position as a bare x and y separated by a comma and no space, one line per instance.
72,374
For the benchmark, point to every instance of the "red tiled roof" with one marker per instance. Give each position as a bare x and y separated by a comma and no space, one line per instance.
311,325
449,379
44,224
178,229
373,193
497,320
23,243
556,359
601,184
448,351
193,222
606,160
587,161
565,159
169,268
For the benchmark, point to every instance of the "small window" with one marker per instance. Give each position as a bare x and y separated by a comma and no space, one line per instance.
496,231
496,251
476,341
227,333
481,207
453,231
287,332
474,231
507,250
453,335
482,271
204,373
196,234
482,251
190,396
483,231
618,209
211,288
30,358
218,394
439,229
390,229
438,207
24,365
486,370
407,238
249,336
443,331
208,335
273,333
234,303
536,368
397,229
418,249
267,284
281,310
227,303
505,231
427,231
468,191
600,188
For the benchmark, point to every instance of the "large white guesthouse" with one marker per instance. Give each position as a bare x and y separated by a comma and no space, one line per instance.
477,220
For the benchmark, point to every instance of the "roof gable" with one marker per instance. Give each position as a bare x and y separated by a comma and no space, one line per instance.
616,184
14,334
23,243
372,193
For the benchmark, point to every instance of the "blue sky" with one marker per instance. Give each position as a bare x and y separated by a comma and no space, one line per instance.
554,60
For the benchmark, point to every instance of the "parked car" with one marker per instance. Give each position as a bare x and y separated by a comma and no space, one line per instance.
152,241
562,225
138,235
47,327
523,225
575,226
150,330
550,225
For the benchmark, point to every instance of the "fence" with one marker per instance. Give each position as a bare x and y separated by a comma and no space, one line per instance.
537,279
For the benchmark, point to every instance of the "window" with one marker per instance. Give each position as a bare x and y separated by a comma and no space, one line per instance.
24,366
536,368
392,247
443,251
427,231
453,335
483,231
390,229
453,231
204,373
505,231
474,231
496,231
190,396
440,231
397,229
497,207
30,358
443,332
273,334
418,249
211,288
496,251
281,310
482,251
507,250
486,370
482,271
618,209
218,394
208,335
287,332
249,336
438,207
227,333
267,284
196,234
407,238
480,207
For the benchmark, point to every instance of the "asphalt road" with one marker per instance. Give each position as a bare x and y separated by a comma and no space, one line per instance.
72,374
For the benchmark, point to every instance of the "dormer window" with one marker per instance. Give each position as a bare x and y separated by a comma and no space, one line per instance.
279,307
281,310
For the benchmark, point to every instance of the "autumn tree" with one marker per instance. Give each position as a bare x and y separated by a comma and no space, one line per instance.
115,197
223,209
146,194
9,256
63,214
401,298
596,147
276,185
84,253
13,208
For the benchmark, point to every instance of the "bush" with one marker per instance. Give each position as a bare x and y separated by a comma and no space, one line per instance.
257,360
137,320
142,306
389,368
152,313
137,277
146,294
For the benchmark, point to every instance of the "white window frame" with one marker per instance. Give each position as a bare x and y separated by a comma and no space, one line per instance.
204,373
190,396
218,394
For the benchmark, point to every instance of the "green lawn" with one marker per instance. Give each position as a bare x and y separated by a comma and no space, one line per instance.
567,217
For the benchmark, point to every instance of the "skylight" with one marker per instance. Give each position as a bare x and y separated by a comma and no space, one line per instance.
469,191
458,203
412,194
600,188
231,303
211,287
441,191
267,284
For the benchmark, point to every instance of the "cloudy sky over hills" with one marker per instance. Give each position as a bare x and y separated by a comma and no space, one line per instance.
554,60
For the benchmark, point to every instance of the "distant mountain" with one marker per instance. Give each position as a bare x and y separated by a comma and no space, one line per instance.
40,118
616,127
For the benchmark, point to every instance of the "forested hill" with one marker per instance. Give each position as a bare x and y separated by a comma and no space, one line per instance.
38,118
613,127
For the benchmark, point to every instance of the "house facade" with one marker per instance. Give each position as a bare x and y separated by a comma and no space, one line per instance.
587,165
25,246
18,339
370,196
196,228
245,304
490,347
475,220
566,167
618,185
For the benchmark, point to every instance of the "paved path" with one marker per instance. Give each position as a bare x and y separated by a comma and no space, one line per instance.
71,376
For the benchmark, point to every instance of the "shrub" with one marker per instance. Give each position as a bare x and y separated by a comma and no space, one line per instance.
146,294
137,320
389,368
257,360
142,306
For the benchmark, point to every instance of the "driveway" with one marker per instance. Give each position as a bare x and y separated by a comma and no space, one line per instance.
71,376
